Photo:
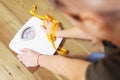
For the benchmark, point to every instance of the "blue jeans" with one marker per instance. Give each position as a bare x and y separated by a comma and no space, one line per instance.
95,56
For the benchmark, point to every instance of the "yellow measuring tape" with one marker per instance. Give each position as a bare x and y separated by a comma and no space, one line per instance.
55,24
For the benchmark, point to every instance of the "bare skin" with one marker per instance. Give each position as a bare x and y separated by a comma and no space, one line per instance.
57,64
92,27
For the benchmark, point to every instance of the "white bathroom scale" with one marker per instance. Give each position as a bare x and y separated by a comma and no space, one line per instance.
32,36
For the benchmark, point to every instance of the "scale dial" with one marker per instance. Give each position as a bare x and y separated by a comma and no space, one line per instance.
28,33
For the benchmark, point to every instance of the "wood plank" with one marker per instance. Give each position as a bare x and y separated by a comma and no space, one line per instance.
44,74
5,75
14,13
11,68
43,7
10,24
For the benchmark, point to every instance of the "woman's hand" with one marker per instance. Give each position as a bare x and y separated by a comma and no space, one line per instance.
74,69
47,26
29,57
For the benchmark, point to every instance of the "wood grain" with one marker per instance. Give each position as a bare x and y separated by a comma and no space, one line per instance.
13,14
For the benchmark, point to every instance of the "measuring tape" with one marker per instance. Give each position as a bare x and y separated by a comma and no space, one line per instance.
55,24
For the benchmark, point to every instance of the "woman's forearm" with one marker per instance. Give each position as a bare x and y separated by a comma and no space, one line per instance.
50,62
74,69
73,32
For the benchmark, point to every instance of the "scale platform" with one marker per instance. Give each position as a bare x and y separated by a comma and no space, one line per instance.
32,36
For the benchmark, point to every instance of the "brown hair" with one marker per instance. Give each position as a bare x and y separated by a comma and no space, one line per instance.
109,9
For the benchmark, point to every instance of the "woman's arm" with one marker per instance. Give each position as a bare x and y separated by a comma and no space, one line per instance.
74,69
74,32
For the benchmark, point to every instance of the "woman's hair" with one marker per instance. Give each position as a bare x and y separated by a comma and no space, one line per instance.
109,9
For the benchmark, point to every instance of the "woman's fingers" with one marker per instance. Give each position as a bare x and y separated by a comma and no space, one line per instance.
25,50
20,55
46,26
43,28
20,59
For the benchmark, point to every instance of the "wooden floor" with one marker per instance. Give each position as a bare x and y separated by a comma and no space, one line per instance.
13,14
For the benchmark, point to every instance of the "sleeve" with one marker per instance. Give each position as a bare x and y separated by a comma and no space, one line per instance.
107,68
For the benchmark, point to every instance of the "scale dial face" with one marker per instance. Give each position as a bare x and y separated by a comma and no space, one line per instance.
28,33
